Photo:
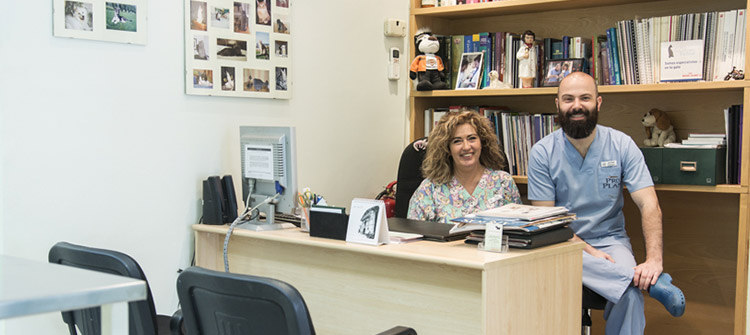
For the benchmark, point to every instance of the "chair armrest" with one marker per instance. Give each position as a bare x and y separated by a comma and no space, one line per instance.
399,330
175,323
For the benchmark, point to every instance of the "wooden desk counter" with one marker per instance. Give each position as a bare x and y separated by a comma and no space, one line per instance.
435,288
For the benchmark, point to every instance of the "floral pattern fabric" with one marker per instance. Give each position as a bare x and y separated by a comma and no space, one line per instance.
442,202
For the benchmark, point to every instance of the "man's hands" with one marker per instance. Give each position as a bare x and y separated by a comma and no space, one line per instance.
600,254
647,273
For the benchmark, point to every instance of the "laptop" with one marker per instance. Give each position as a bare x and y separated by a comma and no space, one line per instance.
432,231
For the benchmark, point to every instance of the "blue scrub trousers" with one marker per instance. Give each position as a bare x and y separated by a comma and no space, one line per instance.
613,281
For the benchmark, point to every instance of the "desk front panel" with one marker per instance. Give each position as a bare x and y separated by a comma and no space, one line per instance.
364,292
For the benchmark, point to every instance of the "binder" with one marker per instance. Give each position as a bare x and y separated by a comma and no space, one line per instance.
531,241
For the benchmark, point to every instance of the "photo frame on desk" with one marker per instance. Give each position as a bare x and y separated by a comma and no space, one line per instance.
367,222
557,69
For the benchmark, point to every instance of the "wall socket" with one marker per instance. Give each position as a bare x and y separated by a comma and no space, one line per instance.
395,28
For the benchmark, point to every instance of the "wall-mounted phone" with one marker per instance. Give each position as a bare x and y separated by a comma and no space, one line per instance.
394,64
219,200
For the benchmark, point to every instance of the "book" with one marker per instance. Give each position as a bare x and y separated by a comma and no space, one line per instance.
703,141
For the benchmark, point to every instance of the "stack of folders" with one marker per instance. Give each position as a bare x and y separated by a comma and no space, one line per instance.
526,226
712,140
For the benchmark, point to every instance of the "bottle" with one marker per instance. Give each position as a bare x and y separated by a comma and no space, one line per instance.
428,3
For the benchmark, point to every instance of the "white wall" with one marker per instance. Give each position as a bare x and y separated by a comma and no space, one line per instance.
101,146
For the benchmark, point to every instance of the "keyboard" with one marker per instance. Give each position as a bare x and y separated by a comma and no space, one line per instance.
284,217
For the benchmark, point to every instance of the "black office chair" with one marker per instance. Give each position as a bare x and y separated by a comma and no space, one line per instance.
216,302
409,175
590,300
142,314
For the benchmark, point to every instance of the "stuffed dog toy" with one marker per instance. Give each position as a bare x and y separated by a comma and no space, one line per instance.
659,129
428,68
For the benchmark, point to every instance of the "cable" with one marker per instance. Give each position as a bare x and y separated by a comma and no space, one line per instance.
246,216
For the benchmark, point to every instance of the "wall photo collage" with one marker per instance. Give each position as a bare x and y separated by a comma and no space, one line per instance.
238,48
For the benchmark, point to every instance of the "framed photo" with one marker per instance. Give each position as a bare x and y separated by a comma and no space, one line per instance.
239,48
470,71
122,21
557,69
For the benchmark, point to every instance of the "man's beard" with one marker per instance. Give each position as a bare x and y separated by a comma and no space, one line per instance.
578,129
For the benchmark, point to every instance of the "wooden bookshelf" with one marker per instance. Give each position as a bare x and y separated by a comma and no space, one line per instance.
705,227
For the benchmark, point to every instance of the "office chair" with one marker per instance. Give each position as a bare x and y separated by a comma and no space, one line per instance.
590,300
142,314
216,302
410,174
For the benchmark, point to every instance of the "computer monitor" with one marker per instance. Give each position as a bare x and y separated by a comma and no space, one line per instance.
268,156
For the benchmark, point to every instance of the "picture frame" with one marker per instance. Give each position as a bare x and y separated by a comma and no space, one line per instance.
121,21
557,69
367,222
238,48
470,71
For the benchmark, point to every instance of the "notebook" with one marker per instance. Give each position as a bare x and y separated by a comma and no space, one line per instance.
433,231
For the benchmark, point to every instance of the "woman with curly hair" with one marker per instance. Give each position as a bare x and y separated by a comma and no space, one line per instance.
463,169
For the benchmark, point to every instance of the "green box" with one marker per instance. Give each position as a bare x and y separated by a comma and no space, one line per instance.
653,157
694,166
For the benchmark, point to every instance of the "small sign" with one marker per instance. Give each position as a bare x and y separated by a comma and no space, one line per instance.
682,60
367,222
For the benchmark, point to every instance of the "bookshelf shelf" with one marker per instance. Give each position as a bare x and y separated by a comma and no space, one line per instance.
727,189
690,213
727,86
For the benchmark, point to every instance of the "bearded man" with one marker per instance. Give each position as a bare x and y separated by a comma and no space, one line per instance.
584,166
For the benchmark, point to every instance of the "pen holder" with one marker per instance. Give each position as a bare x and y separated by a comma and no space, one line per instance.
304,214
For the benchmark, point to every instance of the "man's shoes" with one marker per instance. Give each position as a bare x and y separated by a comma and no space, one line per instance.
669,295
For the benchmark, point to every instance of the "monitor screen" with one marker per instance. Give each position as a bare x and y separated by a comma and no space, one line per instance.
268,156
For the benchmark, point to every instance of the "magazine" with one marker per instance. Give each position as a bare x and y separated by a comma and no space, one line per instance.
522,212
475,222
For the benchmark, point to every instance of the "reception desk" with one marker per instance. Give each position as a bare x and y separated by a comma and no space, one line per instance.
435,288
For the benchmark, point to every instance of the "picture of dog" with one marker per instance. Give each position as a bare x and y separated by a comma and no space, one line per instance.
198,15
256,80
227,78
281,48
281,79
281,25
203,78
78,15
121,17
241,18
263,12
200,47
231,49
282,3
262,46
220,17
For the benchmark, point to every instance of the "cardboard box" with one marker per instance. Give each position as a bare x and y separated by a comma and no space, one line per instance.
685,166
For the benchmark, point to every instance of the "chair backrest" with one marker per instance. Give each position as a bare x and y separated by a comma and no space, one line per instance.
142,313
409,175
216,303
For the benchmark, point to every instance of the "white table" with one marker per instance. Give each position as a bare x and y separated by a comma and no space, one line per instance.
32,287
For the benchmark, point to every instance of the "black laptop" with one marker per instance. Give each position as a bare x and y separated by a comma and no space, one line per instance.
433,231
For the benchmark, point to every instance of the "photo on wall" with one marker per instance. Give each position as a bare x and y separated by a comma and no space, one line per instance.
234,48
122,21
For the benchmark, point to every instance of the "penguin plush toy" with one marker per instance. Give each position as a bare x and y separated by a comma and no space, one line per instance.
428,67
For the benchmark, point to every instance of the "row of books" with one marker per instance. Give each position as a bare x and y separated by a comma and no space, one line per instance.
629,53
516,132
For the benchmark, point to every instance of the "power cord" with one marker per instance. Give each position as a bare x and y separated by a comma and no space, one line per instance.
247,215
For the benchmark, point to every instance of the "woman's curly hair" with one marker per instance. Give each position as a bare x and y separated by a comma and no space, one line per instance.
438,162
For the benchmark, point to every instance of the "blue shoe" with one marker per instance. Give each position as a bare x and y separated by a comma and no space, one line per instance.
669,295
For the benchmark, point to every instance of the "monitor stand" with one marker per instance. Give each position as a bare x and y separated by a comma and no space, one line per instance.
267,224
